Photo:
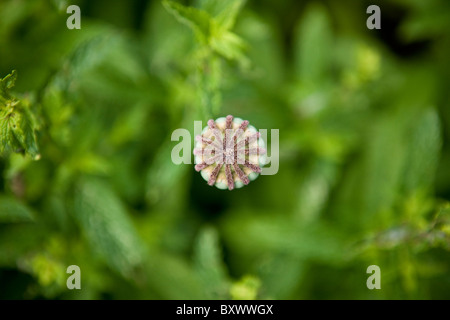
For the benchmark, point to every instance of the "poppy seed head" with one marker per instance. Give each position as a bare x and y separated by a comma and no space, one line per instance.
229,153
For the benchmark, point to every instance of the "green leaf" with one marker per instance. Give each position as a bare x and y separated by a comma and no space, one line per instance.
228,45
11,210
213,7
380,174
424,144
7,140
280,275
227,16
313,44
209,264
7,83
224,12
314,190
198,20
166,182
209,86
18,239
272,234
24,133
213,32
246,288
16,122
17,133
172,277
264,49
107,227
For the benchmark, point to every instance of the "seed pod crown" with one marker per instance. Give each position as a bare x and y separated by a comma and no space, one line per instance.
229,153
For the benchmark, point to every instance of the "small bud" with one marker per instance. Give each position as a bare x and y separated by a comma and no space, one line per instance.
229,153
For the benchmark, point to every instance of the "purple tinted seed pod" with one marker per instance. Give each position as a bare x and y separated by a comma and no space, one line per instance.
229,153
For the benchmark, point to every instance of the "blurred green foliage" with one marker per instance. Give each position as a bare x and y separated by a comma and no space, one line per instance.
87,179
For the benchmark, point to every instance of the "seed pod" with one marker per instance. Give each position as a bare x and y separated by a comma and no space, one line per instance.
229,153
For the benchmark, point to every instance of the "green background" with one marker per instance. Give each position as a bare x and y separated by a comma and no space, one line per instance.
364,175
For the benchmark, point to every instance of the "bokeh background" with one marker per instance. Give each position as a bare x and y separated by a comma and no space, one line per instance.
364,176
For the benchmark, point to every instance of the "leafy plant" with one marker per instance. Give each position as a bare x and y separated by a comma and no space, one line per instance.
16,121
85,142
